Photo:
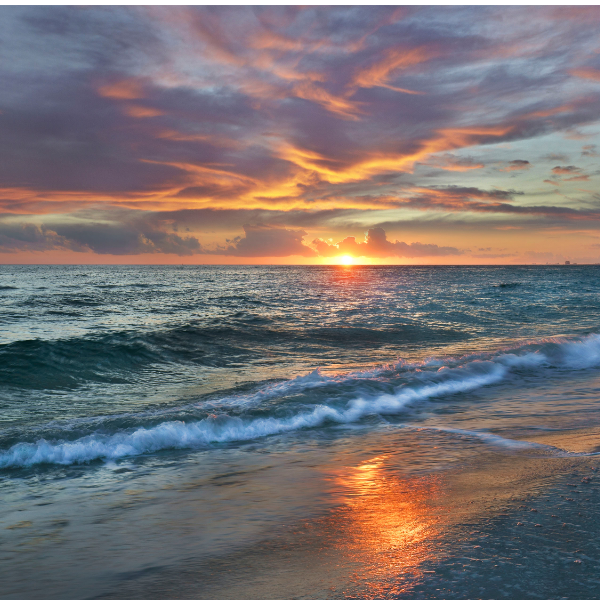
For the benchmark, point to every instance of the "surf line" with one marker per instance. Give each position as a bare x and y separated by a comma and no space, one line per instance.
498,440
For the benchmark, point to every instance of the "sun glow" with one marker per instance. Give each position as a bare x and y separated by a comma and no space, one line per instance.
346,259
389,526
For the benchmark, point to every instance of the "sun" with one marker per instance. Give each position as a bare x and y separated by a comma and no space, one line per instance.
346,259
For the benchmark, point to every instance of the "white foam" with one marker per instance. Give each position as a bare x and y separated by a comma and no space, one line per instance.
223,428
529,360
578,354
454,375
582,354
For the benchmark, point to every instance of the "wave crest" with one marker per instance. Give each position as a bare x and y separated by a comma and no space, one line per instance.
433,378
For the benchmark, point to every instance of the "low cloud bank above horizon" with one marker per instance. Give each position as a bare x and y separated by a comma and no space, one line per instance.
258,241
376,245
239,132
100,238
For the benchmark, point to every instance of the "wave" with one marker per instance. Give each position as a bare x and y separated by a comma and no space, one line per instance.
419,382
111,357
225,428
55,364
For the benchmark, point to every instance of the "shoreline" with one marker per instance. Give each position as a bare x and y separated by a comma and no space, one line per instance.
582,440
390,535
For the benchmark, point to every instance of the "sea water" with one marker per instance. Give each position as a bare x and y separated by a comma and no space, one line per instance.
162,427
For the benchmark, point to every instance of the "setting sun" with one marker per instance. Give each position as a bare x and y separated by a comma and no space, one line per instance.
346,259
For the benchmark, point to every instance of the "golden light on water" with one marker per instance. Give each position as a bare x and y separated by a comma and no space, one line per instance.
390,526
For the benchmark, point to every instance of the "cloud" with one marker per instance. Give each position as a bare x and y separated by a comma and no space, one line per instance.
449,162
462,192
578,178
454,198
100,238
320,94
226,220
473,200
576,173
27,236
287,118
589,150
261,241
517,165
127,89
376,245
570,170
126,239
586,73
553,157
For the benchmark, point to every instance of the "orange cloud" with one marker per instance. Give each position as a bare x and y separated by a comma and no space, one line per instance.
127,89
142,112
586,73
517,165
334,104
339,171
214,140
550,112
570,170
394,59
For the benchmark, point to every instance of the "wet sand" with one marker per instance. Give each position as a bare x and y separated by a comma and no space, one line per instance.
575,440
391,535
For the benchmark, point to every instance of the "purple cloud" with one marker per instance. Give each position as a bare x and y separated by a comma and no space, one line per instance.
260,241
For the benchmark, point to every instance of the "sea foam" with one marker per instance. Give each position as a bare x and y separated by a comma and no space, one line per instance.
450,378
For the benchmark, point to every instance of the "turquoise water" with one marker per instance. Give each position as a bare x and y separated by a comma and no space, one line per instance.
153,416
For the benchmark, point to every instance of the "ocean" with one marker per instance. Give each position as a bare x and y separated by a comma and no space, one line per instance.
314,432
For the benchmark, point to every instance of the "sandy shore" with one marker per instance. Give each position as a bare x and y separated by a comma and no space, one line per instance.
576,440
387,533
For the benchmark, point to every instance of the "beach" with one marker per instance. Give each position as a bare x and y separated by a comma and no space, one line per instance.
496,526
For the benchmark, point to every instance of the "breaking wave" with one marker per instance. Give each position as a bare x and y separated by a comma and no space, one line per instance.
414,383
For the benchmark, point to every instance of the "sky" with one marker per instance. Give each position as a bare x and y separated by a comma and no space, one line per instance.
299,135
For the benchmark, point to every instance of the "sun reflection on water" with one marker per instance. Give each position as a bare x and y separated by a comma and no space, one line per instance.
390,526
